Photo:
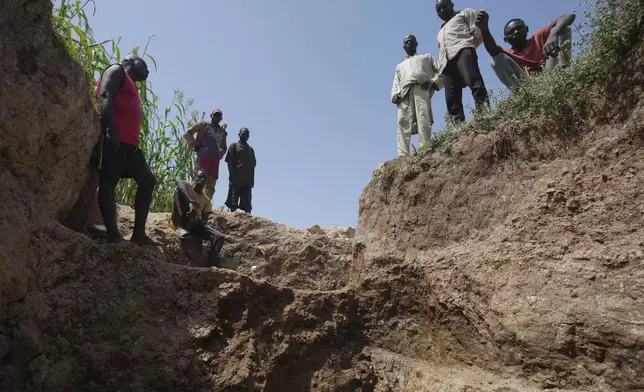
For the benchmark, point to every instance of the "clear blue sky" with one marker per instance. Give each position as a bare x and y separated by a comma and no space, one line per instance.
310,79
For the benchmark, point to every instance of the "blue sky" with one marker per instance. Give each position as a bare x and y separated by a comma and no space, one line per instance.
310,79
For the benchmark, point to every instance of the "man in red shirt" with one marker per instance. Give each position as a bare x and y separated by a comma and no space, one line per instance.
120,109
549,46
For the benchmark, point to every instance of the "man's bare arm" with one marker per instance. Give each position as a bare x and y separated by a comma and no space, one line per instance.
562,23
111,82
482,21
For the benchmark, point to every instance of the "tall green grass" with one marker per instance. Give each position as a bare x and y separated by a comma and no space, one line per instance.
161,128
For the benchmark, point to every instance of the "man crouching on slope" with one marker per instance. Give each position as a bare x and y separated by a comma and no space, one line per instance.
551,45
415,81
190,211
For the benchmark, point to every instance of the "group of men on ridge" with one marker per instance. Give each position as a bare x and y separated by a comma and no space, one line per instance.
119,105
420,75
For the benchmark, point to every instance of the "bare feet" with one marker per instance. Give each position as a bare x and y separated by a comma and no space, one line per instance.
143,240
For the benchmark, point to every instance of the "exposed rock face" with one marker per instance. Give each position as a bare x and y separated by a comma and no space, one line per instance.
528,264
48,129
508,266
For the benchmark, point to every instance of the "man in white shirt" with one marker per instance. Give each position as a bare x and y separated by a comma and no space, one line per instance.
415,81
458,62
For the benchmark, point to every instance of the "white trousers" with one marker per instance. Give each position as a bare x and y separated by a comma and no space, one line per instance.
414,117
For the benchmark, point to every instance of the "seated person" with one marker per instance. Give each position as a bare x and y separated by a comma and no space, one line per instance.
190,211
549,46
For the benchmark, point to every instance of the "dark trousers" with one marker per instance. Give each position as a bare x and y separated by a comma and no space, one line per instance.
128,162
240,198
463,71
197,227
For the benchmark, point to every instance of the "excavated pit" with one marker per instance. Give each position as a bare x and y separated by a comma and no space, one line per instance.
513,264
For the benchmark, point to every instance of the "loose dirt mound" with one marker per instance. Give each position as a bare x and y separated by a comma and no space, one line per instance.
507,266
283,256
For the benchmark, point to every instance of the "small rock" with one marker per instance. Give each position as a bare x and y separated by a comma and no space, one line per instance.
316,229
573,204
597,368
183,363
551,191
604,178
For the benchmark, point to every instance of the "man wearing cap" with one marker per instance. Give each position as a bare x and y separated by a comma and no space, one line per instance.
210,146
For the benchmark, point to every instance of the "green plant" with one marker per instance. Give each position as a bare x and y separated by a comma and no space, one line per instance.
161,130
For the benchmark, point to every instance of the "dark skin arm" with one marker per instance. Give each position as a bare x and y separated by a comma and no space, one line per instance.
491,46
111,82
551,47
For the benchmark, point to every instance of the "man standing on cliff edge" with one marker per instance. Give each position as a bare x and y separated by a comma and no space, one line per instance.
120,109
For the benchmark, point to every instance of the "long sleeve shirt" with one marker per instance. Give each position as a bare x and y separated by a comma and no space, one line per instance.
417,69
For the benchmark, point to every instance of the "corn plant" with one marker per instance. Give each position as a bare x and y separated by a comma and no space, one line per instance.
161,129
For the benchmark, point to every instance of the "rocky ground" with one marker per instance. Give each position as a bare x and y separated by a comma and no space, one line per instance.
512,264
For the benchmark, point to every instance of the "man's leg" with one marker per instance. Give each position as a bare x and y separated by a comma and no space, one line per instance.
137,168
209,188
565,51
109,176
211,167
453,92
468,66
245,199
507,70
424,119
405,121
216,239
230,200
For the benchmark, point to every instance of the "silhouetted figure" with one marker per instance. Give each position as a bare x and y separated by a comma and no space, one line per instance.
241,167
